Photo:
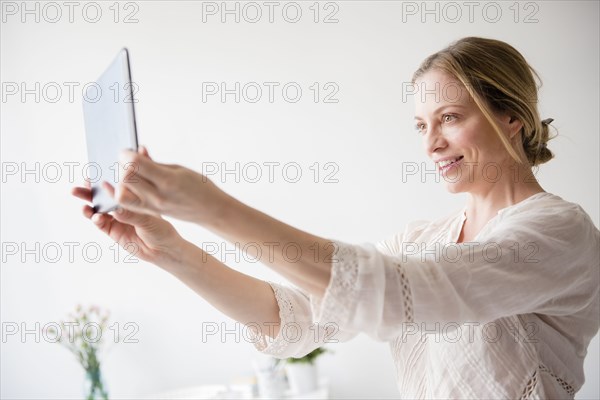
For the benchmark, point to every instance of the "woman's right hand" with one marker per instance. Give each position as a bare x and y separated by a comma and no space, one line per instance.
148,237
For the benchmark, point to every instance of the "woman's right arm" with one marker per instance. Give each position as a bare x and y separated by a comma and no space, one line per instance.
155,240
283,314
244,298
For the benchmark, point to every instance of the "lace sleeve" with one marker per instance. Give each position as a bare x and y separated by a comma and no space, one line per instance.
554,272
368,292
299,334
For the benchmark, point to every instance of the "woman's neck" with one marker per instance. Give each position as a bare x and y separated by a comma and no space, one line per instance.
483,205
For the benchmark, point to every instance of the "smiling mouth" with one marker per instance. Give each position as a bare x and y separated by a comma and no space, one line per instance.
445,166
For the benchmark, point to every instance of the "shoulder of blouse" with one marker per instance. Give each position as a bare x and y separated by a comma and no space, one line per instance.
413,230
549,209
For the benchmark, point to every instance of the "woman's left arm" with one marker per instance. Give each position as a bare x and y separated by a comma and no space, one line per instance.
150,187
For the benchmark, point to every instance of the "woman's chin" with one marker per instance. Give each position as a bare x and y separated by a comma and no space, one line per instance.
455,187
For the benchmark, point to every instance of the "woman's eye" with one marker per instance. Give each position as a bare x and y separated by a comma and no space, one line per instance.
448,117
420,127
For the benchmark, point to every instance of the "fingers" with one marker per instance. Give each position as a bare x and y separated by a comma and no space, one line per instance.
103,222
131,217
135,192
144,151
145,192
109,188
137,164
138,197
83,193
122,195
88,211
107,223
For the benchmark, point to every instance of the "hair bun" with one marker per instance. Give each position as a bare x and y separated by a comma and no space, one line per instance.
547,121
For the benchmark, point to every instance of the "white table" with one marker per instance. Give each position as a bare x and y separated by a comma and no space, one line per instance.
234,392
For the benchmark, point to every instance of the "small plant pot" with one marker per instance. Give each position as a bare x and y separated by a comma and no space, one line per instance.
270,386
302,377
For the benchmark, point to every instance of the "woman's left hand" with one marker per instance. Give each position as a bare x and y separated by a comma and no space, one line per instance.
153,188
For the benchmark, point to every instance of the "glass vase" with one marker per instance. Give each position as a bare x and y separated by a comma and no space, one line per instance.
94,387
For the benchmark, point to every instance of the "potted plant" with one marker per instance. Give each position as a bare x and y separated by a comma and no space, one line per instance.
302,372
85,348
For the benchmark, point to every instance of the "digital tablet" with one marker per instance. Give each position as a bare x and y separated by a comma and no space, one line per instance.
110,127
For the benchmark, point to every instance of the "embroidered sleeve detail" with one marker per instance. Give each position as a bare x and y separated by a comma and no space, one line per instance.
368,292
406,294
533,382
340,295
565,385
344,268
530,386
276,346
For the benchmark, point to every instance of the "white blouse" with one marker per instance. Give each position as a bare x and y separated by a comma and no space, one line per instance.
507,315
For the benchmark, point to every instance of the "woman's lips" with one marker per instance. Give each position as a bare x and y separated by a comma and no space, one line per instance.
448,167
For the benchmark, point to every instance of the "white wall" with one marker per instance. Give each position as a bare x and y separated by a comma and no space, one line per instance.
368,134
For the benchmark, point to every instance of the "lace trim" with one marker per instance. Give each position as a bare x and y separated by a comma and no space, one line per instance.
533,381
339,297
406,294
345,268
276,346
566,386
531,385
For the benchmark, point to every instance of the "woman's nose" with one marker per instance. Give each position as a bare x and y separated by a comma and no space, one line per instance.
434,140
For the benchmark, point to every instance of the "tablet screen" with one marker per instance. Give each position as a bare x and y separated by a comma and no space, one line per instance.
110,127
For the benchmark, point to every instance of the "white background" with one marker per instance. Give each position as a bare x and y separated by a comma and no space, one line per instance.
369,53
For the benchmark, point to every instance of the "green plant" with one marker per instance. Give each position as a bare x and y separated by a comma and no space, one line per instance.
309,358
82,336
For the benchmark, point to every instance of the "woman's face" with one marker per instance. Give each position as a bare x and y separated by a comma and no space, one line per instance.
453,128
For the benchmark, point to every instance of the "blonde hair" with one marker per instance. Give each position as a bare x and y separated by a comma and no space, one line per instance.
499,79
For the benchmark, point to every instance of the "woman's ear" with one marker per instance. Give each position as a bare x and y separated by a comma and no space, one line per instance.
514,126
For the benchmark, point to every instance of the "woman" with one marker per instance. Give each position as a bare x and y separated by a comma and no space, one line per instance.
499,300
